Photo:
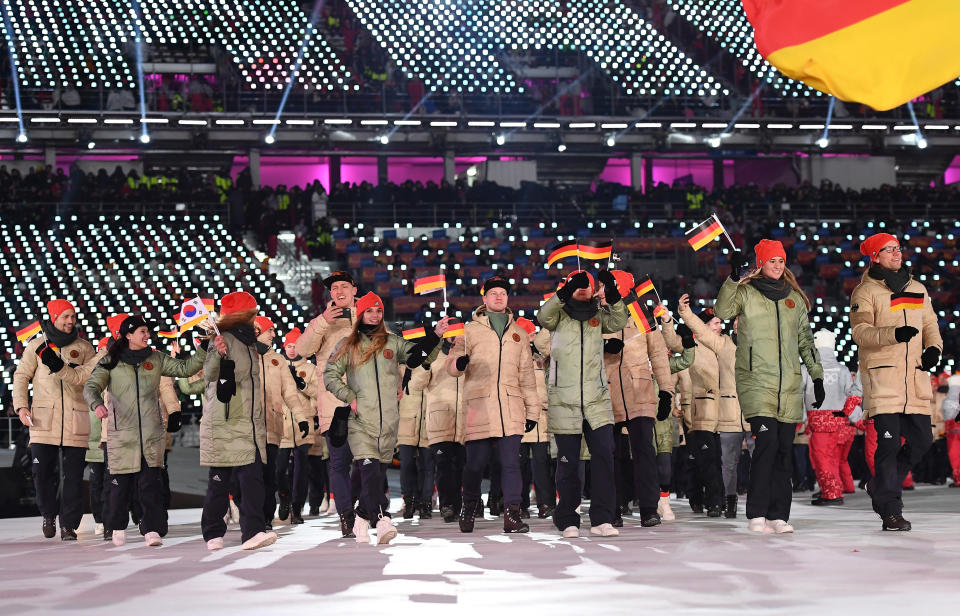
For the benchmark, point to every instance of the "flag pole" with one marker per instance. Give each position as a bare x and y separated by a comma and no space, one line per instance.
578,253
442,268
209,318
725,234
610,260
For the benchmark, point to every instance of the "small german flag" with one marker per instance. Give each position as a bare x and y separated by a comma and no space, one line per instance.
415,332
562,251
906,301
429,284
173,334
639,317
208,304
645,286
29,331
704,233
595,251
456,329
659,311
54,347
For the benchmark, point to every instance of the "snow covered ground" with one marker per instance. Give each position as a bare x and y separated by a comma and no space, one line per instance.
838,562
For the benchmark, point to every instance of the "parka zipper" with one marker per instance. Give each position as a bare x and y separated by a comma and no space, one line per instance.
503,428
623,397
779,359
63,413
906,366
582,412
253,396
376,375
136,379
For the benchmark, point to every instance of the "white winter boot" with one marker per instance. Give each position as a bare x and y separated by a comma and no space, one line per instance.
386,531
664,510
361,529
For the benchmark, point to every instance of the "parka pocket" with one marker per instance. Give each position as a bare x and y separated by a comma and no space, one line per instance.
515,403
81,422
42,417
921,383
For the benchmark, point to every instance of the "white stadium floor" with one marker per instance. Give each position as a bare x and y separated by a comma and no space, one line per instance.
838,562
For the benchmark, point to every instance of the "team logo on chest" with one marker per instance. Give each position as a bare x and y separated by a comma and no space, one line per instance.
388,354
789,303
516,337
276,363
148,365
302,374
74,353
594,322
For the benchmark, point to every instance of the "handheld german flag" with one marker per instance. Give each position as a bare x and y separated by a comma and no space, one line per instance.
413,333
207,303
173,334
562,251
704,233
640,317
456,329
883,53
645,286
906,301
594,250
429,284
29,331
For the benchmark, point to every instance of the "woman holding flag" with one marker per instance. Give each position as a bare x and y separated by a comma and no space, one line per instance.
500,398
895,328
136,435
59,420
773,335
370,359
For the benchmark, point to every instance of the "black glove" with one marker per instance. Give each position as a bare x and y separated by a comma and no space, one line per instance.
534,350
818,393
338,427
577,281
405,383
928,361
610,291
612,346
737,261
316,422
50,358
299,380
686,336
618,428
227,383
173,423
664,406
529,426
205,343
905,333
462,362
943,389
304,428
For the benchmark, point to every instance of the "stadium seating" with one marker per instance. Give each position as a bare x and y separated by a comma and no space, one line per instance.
128,265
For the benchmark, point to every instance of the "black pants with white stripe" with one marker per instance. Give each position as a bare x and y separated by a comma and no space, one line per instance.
893,461
217,500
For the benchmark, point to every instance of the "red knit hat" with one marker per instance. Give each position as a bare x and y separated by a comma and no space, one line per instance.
526,325
114,323
768,249
624,281
370,300
263,323
574,273
237,302
871,246
56,307
103,343
292,336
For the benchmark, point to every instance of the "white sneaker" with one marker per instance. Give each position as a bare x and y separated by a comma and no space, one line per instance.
779,527
260,540
153,539
664,510
386,531
119,537
361,528
325,505
234,512
215,544
98,530
571,532
759,525
604,530
332,505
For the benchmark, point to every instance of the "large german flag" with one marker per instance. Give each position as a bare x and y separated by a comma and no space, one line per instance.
879,52
595,251
640,317
562,251
906,301
704,233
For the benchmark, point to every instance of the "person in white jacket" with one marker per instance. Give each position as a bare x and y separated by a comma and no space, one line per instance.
826,422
